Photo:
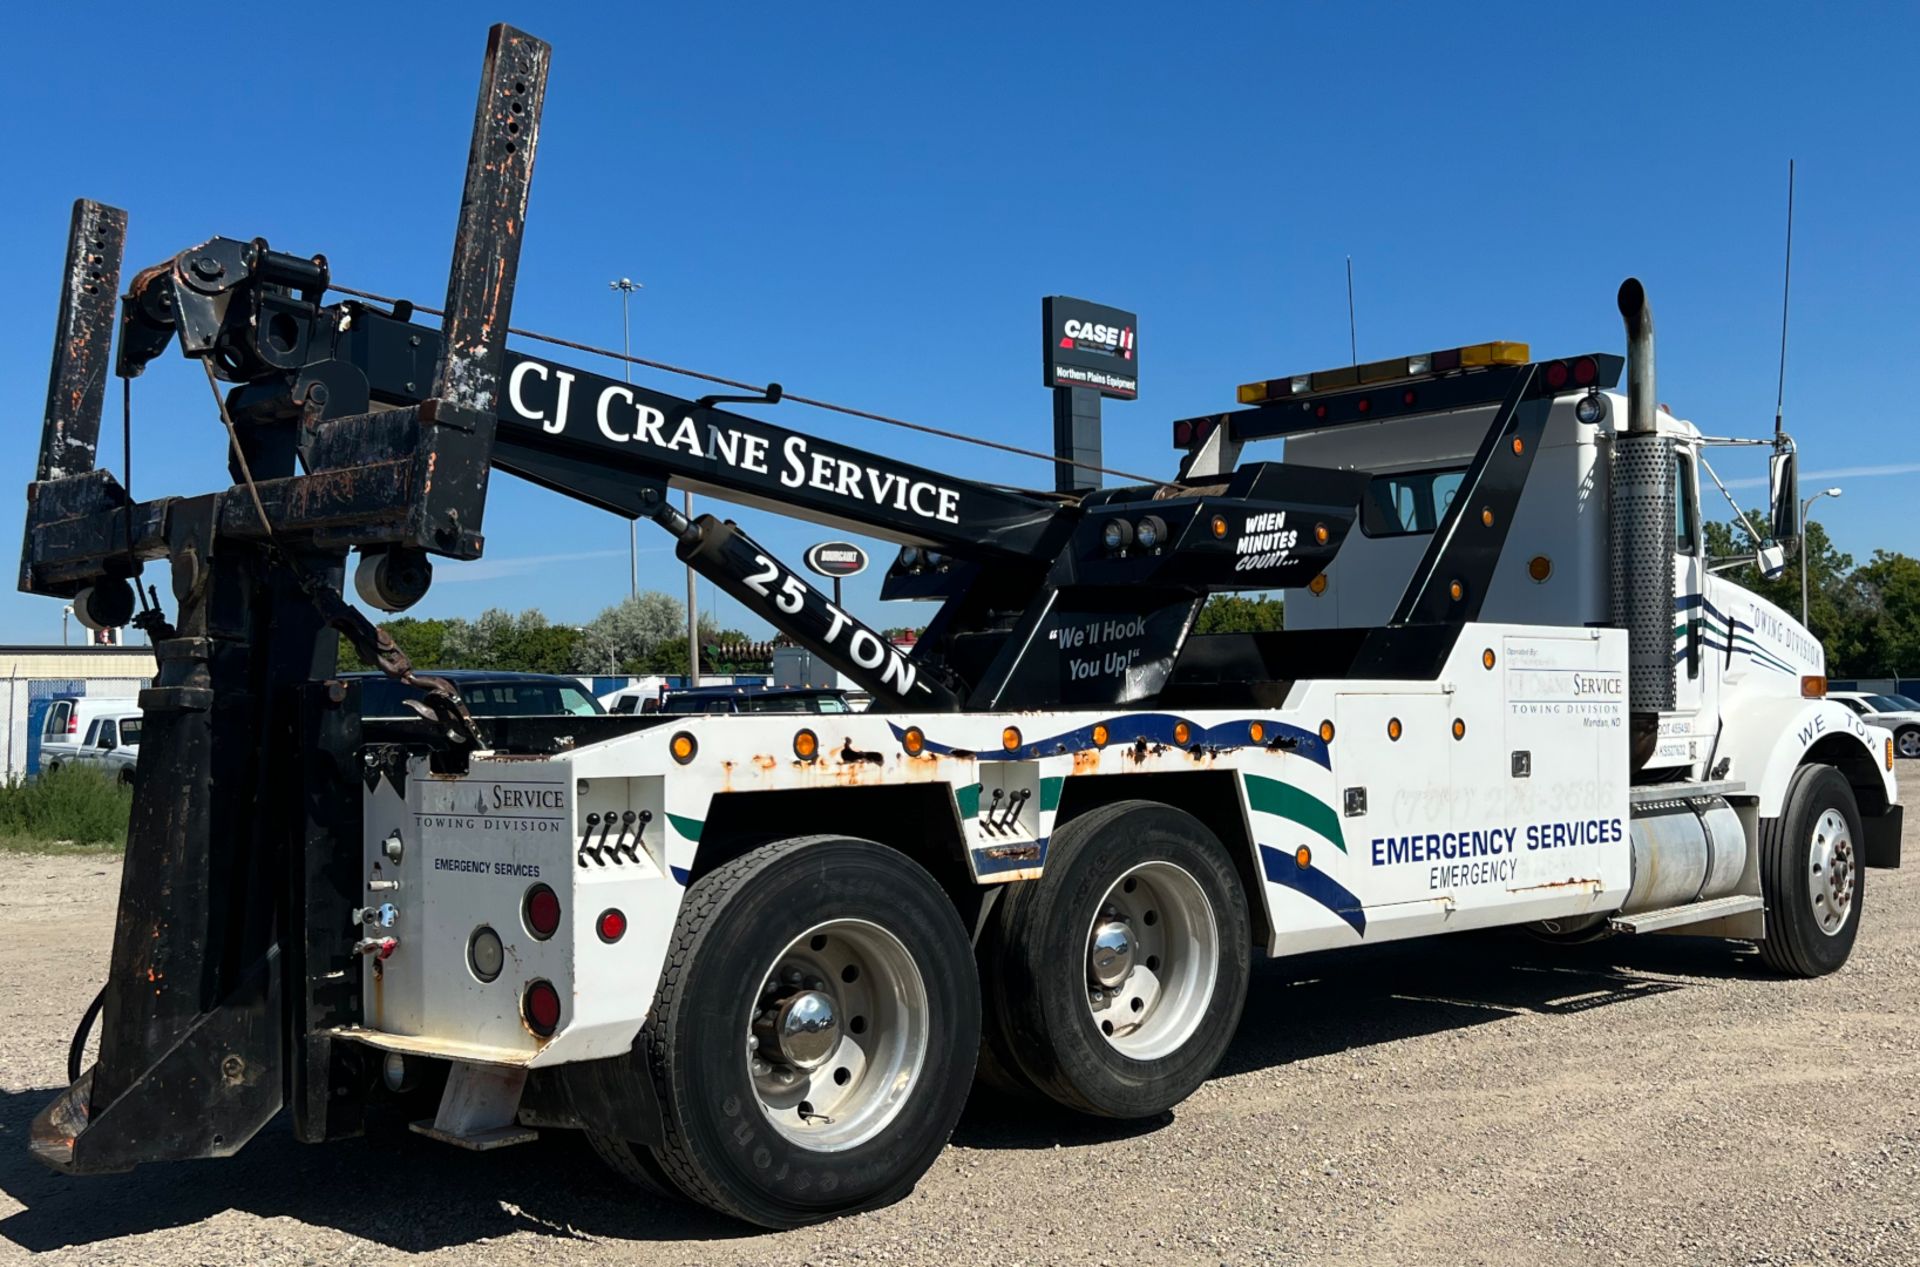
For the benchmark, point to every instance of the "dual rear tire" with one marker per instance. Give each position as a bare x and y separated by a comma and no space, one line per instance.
1115,981
814,1035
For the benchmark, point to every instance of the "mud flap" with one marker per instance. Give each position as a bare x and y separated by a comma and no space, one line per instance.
1882,846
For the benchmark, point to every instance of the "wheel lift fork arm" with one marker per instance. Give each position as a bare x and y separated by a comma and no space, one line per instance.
229,965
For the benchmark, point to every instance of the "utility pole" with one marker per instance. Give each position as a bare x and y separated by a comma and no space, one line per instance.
1804,507
626,286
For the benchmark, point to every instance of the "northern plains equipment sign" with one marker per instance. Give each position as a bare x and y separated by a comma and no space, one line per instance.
836,559
1090,345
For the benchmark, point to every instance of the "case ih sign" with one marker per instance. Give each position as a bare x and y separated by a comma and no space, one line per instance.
1090,345
837,559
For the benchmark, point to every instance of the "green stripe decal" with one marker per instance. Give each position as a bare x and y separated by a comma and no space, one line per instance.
968,798
1050,793
1284,800
687,827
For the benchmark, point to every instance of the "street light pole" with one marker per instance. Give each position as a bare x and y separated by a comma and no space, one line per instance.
1805,506
626,286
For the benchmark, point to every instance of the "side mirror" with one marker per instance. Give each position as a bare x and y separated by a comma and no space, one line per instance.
1783,485
1771,559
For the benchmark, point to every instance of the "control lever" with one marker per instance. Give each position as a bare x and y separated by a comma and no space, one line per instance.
631,845
988,819
586,842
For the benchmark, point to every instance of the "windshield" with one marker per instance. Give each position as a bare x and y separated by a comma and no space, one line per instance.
1890,704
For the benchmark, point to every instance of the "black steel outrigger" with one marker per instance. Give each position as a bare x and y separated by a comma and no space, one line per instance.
354,428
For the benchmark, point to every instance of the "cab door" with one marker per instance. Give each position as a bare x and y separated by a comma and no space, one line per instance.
1699,630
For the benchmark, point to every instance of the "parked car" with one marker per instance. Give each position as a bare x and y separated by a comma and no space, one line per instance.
63,734
756,699
488,692
111,745
1889,712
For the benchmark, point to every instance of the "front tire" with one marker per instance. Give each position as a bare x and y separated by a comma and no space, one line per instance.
1906,743
1119,975
1811,875
814,1035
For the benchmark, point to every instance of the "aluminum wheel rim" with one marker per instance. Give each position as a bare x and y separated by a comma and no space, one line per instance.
1831,876
1175,961
874,991
1908,744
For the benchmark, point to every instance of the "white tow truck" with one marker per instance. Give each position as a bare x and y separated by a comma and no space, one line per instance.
758,958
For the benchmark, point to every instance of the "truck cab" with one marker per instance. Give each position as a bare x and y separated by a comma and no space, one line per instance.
1735,655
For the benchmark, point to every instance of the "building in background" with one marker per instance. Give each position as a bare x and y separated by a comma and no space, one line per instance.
36,676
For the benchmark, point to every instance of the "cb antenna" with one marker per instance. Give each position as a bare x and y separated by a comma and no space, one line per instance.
1786,292
1353,338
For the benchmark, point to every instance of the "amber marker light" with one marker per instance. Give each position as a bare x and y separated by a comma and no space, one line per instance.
1459,729
806,745
914,741
1181,733
1320,533
1393,729
682,746
1010,738
1540,567
1257,733
1219,525
1456,591
1303,857
1486,657
1318,585
1326,732
1099,736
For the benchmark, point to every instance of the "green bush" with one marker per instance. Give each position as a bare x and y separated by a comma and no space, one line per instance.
69,806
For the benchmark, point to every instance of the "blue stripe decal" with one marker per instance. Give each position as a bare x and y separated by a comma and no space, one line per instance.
1153,728
1316,884
680,874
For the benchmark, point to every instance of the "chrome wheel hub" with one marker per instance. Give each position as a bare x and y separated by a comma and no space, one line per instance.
1831,875
801,1031
838,1034
1110,957
1909,743
1153,956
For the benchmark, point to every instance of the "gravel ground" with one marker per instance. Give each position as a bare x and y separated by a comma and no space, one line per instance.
1464,1100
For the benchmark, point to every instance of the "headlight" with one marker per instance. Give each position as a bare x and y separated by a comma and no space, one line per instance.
1150,532
1591,409
1117,534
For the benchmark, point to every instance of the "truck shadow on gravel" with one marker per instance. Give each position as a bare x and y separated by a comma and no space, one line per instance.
409,1194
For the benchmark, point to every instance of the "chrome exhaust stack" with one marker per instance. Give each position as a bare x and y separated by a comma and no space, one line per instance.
1641,533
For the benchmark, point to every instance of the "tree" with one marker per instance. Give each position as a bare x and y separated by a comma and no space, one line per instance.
1236,613
626,636
423,640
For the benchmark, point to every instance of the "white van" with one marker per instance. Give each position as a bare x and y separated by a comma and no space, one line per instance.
63,735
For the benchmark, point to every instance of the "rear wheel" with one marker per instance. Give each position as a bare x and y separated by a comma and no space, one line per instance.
1907,743
1811,874
1120,973
814,1035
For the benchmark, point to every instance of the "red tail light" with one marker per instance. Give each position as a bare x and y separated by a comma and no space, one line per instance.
1586,371
1182,433
542,911
541,1007
612,925
1557,374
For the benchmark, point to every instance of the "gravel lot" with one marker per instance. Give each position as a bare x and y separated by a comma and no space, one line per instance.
1465,1100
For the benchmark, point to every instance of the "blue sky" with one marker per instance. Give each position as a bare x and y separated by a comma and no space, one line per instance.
867,205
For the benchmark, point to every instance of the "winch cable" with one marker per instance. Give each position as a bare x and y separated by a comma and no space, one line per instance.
703,376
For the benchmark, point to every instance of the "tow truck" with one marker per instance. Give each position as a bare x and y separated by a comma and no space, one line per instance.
759,959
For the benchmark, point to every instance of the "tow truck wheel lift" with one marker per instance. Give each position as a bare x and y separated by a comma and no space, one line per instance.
241,982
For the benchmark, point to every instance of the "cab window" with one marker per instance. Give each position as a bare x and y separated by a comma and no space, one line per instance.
1685,528
109,736
57,716
1408,502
